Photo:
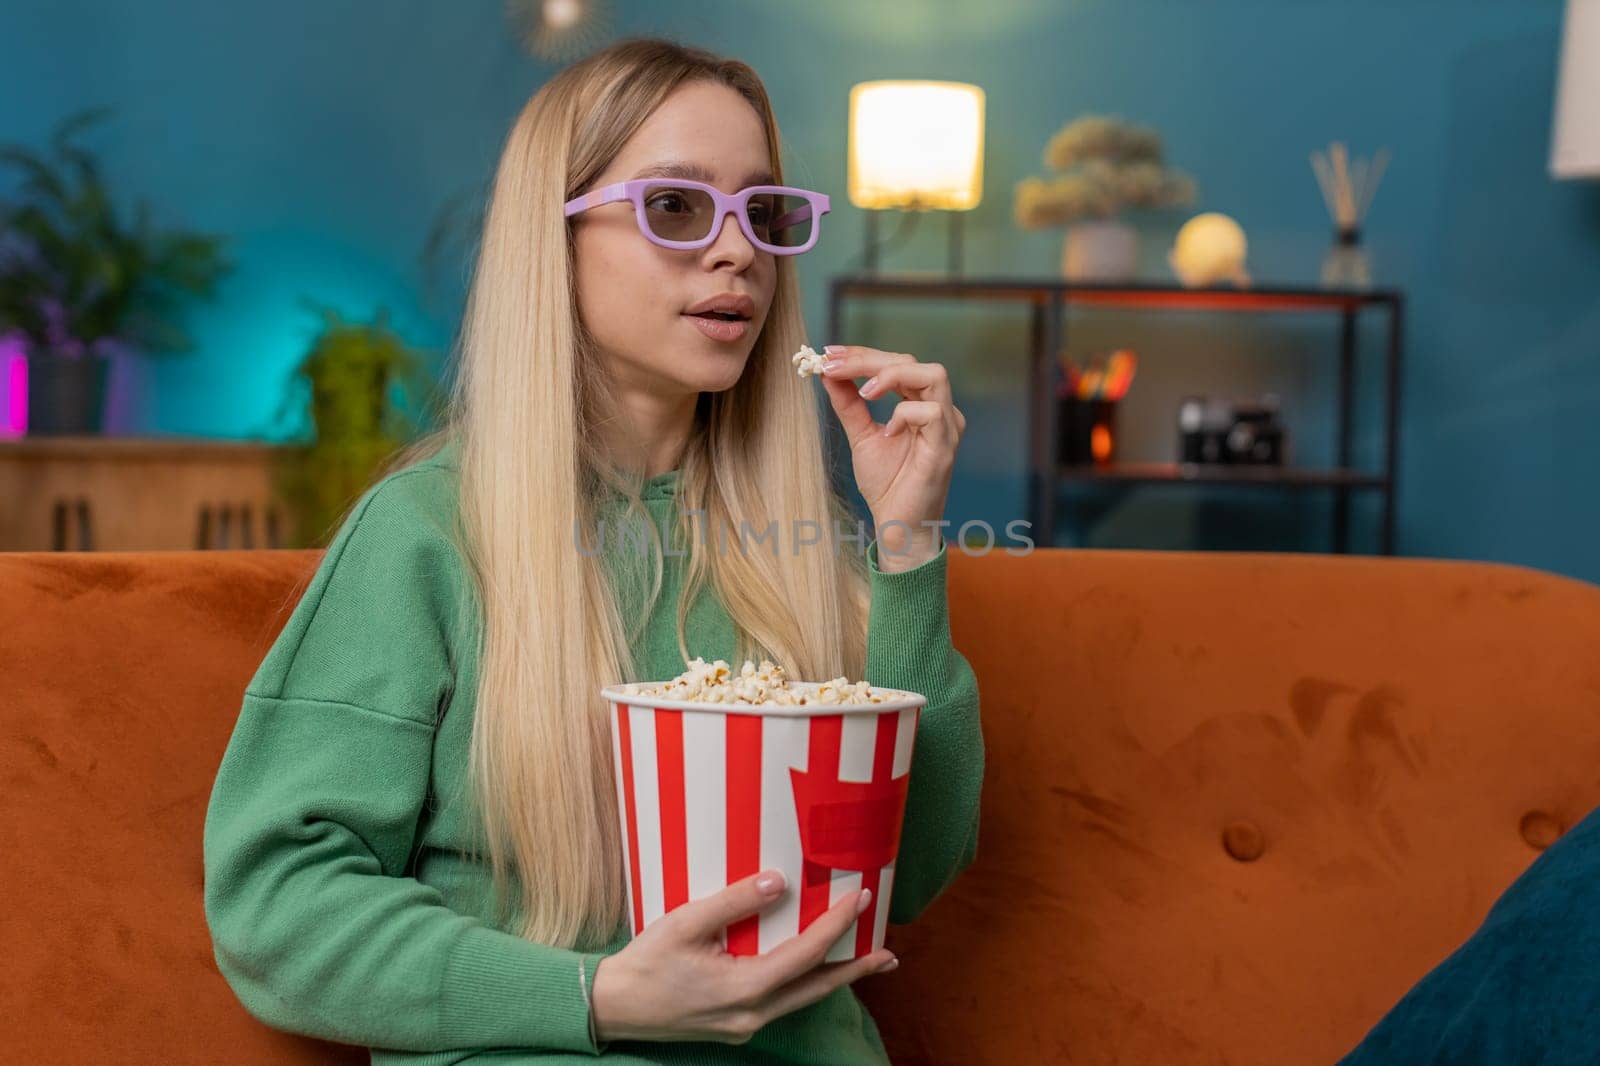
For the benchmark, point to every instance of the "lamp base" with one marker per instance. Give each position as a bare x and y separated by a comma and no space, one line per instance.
871,244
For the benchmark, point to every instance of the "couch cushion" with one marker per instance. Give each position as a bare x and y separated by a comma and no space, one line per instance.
1525,987
123,674
1236,804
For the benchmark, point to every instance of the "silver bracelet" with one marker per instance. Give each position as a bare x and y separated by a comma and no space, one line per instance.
588,1001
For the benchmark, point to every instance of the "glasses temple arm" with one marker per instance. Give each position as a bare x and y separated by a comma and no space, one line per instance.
595,197
799,214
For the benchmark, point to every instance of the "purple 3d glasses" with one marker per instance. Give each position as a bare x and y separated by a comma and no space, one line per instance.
684,214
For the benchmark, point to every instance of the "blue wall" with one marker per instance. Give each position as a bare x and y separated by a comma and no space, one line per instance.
325,137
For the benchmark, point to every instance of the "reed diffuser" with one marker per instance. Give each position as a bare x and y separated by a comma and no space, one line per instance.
1347,189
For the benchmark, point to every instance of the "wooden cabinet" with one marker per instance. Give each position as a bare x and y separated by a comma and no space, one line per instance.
138,494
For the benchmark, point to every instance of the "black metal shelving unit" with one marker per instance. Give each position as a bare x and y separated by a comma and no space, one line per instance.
1048,300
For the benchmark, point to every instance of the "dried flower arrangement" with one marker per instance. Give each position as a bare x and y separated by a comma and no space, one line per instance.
1104,165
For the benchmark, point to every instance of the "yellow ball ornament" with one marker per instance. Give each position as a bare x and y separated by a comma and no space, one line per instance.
1210,249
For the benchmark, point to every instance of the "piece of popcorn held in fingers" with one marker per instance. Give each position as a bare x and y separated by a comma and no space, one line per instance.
807,362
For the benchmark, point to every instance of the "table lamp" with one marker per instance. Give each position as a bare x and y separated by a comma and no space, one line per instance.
917,146
1575,148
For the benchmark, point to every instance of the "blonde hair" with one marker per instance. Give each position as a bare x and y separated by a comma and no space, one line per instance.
528,392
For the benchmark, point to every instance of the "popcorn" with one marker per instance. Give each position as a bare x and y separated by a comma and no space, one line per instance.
808,362
766,685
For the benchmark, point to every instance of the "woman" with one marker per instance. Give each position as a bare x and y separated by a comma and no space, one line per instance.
412,842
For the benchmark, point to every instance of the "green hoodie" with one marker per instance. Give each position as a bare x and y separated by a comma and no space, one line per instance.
338,900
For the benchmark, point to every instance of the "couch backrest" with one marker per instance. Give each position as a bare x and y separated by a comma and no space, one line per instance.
121,675
1235,804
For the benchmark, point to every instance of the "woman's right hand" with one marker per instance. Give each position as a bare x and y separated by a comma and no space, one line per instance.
675,981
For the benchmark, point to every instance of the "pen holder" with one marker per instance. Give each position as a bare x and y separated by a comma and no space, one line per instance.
1086,431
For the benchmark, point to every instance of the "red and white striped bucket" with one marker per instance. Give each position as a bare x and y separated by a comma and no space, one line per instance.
710,793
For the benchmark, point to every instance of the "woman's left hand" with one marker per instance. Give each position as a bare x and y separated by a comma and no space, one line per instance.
902,467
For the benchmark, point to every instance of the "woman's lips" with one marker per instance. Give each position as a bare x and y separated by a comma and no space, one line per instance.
719,329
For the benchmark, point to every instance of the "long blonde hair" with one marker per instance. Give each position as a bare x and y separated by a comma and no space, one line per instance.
528,391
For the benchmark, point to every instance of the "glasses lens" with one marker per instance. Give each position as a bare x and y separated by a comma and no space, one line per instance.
679,213
781,219
676,213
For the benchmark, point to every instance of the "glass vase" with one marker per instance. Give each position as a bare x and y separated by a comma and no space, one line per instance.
1346,265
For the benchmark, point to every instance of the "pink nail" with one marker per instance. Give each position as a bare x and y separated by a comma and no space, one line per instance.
865,900
769,882
869,387
832,348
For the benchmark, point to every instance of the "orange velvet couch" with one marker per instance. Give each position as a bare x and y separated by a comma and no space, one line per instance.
1236,804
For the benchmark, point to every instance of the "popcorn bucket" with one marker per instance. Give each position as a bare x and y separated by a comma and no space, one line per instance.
709,793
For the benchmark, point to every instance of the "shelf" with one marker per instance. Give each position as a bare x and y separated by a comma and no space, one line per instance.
1219,474
1050,299
1133,295
141,447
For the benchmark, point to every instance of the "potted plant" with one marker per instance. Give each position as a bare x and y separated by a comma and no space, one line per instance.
352,398
78,283
1103,166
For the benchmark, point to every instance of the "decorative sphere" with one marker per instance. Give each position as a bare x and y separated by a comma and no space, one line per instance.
1210,249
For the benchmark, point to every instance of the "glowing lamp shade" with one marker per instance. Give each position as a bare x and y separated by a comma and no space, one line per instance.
916,144
1575,148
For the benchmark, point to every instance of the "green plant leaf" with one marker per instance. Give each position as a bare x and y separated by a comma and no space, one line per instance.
344,403
110,280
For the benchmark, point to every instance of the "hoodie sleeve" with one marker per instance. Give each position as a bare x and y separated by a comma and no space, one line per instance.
314,813
909,647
